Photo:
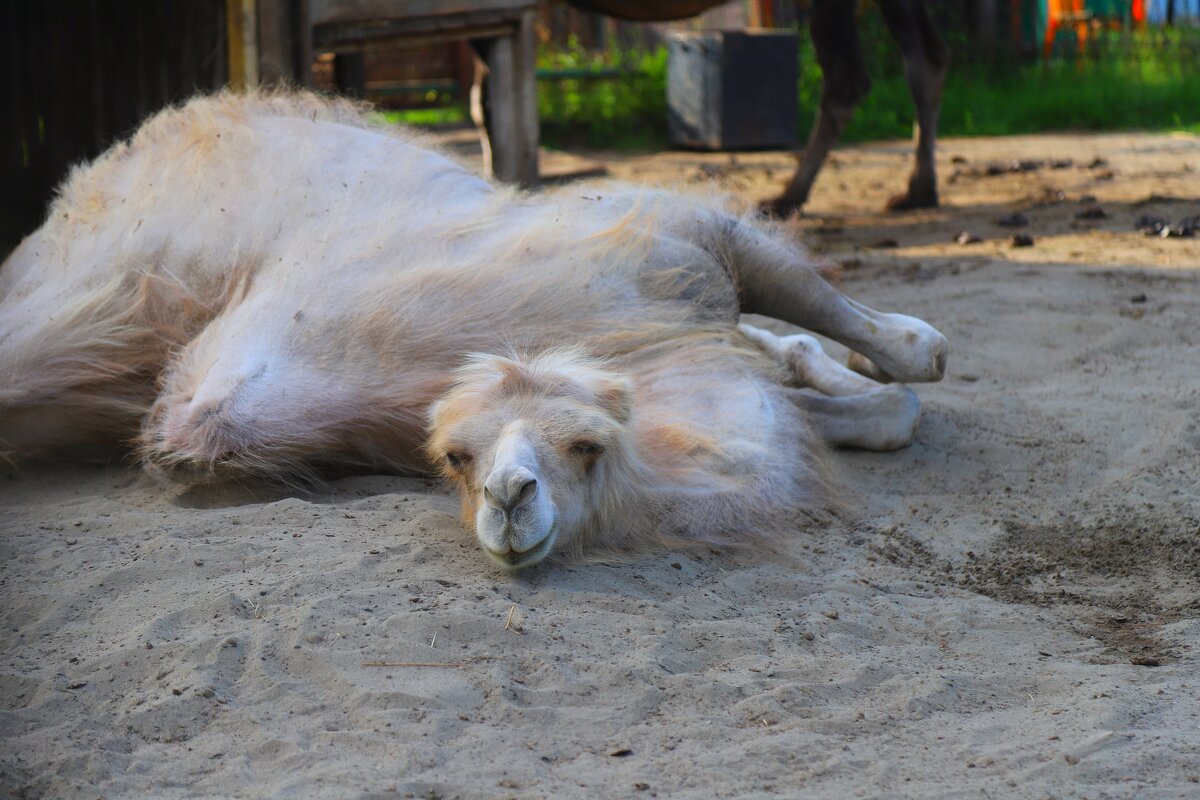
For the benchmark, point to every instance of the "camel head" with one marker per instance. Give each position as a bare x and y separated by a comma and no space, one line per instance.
538,448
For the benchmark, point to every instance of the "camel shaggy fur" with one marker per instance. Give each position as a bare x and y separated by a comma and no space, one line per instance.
269,285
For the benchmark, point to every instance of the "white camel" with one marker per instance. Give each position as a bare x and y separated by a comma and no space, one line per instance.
271,285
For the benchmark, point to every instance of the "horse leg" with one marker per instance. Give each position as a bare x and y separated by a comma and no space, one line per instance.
844,85
926,59
848,409
775,280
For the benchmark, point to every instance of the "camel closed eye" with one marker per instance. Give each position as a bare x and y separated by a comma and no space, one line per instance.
457,459
585,449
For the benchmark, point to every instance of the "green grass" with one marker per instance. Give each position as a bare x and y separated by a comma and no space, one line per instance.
441,115
1036,99
1147,81
629,112
1152,95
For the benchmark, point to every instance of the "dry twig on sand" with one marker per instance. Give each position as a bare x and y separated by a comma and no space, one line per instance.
441,664
445,664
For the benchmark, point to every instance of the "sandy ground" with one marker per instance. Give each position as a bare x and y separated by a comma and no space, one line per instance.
1011,610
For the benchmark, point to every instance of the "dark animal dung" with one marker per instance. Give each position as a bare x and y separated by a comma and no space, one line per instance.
1013,220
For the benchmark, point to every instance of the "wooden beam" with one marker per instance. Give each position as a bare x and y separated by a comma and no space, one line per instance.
352,38
325,12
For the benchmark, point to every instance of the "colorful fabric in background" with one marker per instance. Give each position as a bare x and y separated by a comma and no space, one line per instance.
1045,21
1156,11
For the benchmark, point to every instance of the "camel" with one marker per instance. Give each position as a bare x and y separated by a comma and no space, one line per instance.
845,83
269,286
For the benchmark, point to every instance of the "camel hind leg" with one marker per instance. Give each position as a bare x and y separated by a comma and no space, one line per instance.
848,409
775,280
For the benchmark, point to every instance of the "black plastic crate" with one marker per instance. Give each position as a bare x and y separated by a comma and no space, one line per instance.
732,90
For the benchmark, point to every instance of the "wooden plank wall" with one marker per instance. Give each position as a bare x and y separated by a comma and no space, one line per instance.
81,74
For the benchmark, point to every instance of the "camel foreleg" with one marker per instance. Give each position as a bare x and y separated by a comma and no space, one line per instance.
849,410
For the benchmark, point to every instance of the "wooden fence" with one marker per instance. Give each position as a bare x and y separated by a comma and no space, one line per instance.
81,74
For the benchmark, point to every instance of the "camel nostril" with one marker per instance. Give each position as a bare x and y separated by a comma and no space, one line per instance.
525,493
508,493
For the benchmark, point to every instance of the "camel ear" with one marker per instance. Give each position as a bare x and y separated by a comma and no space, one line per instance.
614,394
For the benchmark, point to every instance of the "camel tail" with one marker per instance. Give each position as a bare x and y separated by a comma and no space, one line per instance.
76,367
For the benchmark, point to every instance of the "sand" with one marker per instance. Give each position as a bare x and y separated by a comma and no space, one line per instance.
1010,608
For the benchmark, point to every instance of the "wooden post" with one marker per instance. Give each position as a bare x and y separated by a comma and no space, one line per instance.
501,108
511,131
284,43
241,24
350,74
525,98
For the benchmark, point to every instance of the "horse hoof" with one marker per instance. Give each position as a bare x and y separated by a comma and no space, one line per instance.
913,199
779,208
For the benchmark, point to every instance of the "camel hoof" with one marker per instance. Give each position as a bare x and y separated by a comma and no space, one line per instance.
866,367
903,409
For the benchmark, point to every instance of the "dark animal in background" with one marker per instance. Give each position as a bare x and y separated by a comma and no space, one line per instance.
846,83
